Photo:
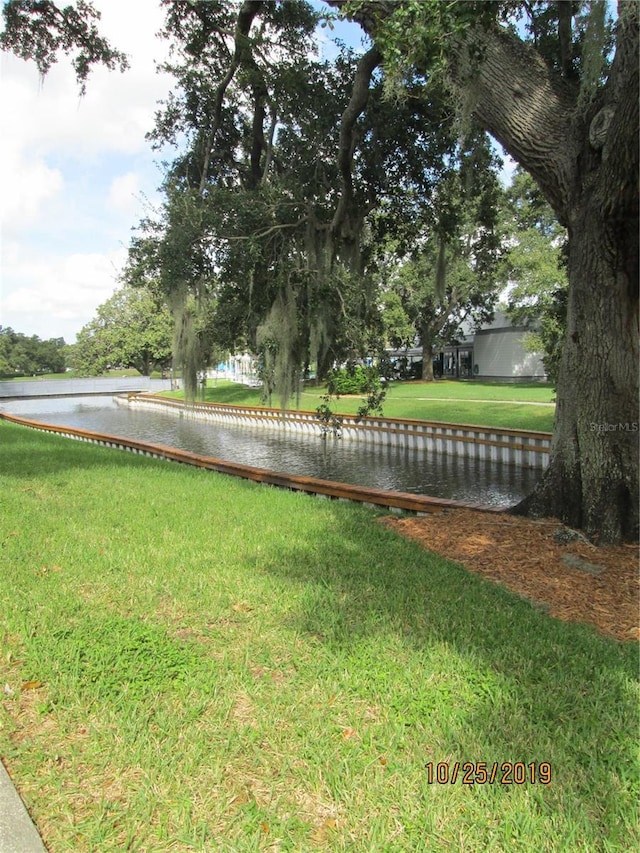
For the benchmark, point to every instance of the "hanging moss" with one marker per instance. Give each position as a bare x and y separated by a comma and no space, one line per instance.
441,268
596,41
278,339
188,351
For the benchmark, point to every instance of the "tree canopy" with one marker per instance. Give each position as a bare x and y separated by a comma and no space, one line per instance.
131,329
535,265
21,355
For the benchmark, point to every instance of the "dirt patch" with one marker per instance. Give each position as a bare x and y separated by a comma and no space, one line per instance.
541,561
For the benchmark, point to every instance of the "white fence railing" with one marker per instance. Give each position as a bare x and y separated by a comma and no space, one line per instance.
510,446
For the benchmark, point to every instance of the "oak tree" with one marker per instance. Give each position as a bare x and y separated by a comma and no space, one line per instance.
131,329
556,83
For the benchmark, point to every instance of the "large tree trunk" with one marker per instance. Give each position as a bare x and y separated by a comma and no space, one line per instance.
592,478
427,357
584,156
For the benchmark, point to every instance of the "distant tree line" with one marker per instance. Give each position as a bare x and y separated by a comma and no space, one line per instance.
21,355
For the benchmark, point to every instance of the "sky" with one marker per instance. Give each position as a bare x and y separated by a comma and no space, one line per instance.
74,173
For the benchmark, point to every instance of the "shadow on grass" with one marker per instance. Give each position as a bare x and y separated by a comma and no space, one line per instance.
469,670
22,449
525,687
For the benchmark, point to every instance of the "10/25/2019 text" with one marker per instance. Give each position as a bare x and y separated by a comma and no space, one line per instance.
483,773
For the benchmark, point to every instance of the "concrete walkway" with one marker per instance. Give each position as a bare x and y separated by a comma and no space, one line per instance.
17,832
471,400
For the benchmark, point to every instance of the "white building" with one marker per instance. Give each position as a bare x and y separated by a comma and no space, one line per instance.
499,352
496,351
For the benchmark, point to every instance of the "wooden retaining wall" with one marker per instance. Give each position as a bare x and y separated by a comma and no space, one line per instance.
395,501
507,446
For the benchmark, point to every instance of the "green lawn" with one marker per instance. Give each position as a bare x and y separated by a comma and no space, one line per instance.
39,377
192,662
527,406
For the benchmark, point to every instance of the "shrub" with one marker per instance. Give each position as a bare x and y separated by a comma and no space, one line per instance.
353,380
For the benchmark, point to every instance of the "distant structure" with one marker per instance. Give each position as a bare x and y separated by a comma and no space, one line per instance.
495,351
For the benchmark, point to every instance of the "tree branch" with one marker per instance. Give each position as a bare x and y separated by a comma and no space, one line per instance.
271,229
527,107
247,13
619,180
358,101
514,94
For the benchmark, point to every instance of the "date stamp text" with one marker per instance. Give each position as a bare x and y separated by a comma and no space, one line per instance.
492,773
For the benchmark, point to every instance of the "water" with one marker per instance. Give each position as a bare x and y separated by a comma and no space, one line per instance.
381,467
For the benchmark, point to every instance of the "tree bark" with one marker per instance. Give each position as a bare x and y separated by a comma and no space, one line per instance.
341,223
591,179
427,357
246,14
592,478
527,107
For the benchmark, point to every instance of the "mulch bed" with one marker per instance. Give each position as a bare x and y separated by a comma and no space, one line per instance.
542,561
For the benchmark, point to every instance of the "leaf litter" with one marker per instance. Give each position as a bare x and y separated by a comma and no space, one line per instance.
541,561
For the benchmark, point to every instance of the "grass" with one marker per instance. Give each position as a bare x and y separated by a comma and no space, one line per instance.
522,406
197,663
39,377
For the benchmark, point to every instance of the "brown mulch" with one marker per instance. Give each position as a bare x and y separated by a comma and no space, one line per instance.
542,561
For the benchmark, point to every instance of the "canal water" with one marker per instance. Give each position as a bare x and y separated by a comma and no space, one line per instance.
381,467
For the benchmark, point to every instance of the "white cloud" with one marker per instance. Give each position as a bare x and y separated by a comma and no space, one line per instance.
72,174
54,294
26,187
117,109
124,193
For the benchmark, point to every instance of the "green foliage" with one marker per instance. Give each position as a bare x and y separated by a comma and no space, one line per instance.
415,36
330,423
354,379
237,232
249,221
399,331
40,31
373,405
535,263
575,39
131,329
21,355
449,276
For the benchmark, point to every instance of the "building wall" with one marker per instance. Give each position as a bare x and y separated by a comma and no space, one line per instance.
498,353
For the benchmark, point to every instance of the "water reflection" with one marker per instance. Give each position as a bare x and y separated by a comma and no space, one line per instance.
382,467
